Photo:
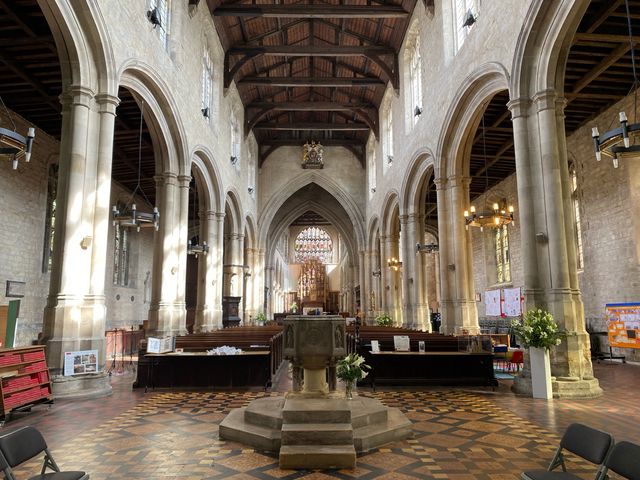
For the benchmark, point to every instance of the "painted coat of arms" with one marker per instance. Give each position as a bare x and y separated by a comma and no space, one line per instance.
312,155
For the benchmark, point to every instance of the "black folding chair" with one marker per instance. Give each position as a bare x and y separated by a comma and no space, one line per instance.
625,460
586,442
25,443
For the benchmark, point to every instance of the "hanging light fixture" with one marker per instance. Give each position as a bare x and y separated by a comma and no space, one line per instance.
196,249
616,143
500,213
129,216
13,145
394,264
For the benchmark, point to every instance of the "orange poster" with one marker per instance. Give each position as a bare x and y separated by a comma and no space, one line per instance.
623,320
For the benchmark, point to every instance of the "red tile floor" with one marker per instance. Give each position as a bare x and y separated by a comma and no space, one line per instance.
458,434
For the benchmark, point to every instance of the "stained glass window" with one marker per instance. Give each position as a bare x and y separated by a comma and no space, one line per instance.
313,243
503,264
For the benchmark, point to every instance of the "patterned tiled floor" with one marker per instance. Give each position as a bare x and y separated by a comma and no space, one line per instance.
457,434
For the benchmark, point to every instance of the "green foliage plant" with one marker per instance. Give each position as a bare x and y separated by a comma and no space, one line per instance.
384,320
538,329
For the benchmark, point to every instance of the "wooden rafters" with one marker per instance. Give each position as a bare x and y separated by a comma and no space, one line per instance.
310,11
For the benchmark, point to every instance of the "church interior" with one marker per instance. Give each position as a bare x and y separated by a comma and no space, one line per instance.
210,207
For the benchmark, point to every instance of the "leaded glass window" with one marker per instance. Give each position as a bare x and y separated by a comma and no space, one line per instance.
313,243
50,220
577,220
121,256
503,264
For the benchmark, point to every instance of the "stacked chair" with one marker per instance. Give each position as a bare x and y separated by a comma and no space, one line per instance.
596,447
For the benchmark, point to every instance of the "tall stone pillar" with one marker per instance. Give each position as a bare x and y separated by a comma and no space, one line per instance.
180,305
547,241
74,317
165,312
268,290
416,309
209,307
447,265
465,311
366,284
259,282
250,308
393,282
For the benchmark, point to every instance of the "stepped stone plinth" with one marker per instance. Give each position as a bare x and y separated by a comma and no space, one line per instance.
314,428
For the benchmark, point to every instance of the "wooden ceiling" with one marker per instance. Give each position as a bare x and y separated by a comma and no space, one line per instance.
312,70
316,70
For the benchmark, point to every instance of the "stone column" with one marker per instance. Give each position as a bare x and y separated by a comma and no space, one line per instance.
209,308
547,242
268,281
392,283
465,311
163,317
74,317
250,309
416,310
259,282
180,305
447,266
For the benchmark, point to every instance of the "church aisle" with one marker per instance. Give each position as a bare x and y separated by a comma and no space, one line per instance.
458,434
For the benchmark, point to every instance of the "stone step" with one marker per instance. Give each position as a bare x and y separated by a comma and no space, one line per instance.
235,428
317,456
397,427
366,411
265,412
316,410
317,434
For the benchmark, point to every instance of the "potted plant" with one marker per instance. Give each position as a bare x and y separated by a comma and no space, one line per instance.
261,318
539,332
294,307
351,369
384,320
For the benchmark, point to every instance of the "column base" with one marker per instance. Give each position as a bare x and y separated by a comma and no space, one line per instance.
91,385
563,387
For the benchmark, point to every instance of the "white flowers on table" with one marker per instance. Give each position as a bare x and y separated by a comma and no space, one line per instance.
224,350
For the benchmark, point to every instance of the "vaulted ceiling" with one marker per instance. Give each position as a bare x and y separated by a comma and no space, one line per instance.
312,70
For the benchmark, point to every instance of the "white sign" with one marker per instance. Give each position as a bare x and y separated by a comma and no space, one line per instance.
421,346
492,303
375,346
401,343
512,303
160,345
79,363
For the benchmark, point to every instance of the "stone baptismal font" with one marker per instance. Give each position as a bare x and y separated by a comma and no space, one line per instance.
314,425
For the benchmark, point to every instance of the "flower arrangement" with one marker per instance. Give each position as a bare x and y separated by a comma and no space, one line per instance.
294,307
352,368
261,318
384,320
538,330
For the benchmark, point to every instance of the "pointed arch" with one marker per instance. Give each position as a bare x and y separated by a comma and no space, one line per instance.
235,210
202,161
169,134
464,114
420,167
391,205
373,232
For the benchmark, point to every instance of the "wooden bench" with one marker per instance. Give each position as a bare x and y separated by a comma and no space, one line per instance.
255,367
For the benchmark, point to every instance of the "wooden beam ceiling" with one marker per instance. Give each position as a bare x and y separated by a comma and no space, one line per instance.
310,11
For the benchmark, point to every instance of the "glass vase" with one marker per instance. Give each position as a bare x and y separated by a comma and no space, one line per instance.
349,390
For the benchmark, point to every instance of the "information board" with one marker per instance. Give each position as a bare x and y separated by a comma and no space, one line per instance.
81,362
492,303
623,322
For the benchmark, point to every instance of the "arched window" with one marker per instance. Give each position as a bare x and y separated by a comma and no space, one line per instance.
50,219
207,85
387,137
121,256
371,170
163,10
577,219
503,263
415,72
462,10
235,139
313,243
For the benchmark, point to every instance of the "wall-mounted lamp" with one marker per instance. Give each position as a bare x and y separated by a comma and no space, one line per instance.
541,237
234,159
426,248
389,159
469,19
373,190
154,17
250,190
376,273
417,111
205,112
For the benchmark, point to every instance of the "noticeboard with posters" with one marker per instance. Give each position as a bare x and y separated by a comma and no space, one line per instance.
623,322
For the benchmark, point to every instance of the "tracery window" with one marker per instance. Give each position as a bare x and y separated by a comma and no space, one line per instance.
163,10
50,219
461,10
415,70
121,256
503,263
313,243
577,220
207,83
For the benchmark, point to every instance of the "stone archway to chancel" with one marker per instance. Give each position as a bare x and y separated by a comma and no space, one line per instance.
314,198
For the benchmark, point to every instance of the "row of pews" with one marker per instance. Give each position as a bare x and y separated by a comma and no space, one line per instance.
442,362
255,367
